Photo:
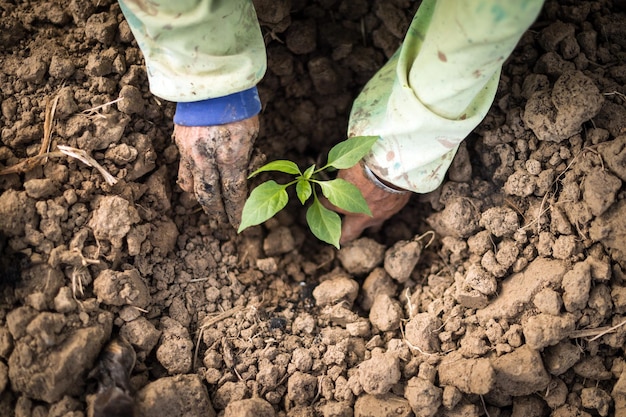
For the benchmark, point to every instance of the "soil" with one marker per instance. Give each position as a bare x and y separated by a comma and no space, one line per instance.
503,293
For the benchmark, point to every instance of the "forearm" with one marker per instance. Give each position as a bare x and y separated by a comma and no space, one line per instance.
438,87
198,49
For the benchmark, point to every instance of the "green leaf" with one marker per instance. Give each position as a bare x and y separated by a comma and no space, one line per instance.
309,171
347,153
280,165
264,202
344,195
324,224
303,190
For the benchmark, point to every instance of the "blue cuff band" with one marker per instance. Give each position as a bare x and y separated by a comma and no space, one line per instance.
220,110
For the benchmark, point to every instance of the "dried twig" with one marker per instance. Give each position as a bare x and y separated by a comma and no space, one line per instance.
43,154
94,110
44,151
482,400
195,351
199,279
615,93
210,321
85,158
407,295
77,282
47,126
27,164
597,332
430,233
514,206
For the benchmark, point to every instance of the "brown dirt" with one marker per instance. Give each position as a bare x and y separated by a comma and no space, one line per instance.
514,309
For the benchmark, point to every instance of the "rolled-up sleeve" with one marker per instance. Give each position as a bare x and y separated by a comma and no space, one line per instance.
198,49
438,87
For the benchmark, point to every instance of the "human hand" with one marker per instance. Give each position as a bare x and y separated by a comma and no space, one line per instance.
383,203
214,165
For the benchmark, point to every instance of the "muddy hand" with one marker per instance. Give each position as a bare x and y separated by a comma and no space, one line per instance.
382,202
214,165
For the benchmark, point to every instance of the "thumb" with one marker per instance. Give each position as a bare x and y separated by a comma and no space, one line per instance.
354,224
382,201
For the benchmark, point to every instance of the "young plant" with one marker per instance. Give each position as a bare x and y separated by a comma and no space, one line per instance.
270,197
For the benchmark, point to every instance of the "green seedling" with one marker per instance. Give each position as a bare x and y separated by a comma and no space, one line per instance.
270,197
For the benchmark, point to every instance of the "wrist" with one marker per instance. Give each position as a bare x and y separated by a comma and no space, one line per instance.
380,183
219,110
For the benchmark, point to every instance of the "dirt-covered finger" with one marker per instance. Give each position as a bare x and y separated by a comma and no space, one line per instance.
198,171
354,224
210,198
236,142
185,177
207,183
186,163
235,191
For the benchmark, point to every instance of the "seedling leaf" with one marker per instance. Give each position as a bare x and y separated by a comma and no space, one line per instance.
309,172
345,196
264,202
270,197
324,224
303,190
347,153
280,165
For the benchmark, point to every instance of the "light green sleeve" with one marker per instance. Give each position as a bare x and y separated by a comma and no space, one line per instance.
438,87
198,49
